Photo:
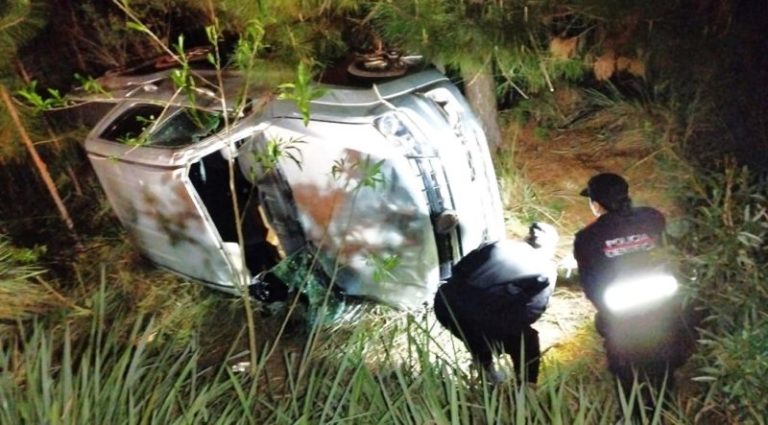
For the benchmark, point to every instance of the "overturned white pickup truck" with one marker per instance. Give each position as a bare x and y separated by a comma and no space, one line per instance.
385,187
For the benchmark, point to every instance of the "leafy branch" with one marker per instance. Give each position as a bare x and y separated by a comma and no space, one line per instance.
302,91
42,103
368,172
276,149
383,266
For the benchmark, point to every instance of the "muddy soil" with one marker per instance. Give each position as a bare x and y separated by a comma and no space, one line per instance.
557,168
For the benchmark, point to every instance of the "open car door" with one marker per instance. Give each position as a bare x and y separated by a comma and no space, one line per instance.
155,191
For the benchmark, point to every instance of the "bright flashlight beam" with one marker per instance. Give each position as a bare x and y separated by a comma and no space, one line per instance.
631,294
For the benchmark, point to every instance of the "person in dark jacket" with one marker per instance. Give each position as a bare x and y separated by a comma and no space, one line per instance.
621,240
625,243
494,295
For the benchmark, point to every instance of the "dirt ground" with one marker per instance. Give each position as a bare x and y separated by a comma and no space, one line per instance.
557,168
556,176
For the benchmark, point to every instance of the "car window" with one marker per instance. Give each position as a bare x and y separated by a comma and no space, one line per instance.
129,127
187,126
183,127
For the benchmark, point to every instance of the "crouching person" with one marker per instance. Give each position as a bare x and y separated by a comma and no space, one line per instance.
494,295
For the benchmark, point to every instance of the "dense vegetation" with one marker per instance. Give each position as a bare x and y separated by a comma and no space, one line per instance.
89,333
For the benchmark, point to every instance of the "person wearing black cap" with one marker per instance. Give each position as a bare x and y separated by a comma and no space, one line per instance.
619,233
493,296
622,243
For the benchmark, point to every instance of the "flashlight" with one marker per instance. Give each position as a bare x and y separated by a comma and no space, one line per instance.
633,294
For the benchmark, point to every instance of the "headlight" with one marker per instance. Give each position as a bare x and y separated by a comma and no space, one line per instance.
394,129
632,294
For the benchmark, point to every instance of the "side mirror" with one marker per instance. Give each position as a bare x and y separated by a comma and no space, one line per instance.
229,151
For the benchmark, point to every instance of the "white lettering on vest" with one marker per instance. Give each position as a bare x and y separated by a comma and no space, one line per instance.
627,244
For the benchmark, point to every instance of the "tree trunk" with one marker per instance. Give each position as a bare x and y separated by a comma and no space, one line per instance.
52,136
39,163
480,90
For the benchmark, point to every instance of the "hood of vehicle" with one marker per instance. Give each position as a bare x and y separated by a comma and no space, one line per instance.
374,170
361,208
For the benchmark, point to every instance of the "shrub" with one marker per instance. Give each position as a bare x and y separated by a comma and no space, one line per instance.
726,252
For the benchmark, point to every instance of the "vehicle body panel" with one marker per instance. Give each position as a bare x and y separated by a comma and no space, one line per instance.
157,204
374,171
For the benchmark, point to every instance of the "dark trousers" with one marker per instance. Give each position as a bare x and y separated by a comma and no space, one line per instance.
646,350
488,321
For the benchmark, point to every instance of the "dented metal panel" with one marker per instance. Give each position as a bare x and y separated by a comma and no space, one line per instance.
371,177
158,207
375,239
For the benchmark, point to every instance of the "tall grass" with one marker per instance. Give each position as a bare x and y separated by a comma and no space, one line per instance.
726,250
383,369
22,294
